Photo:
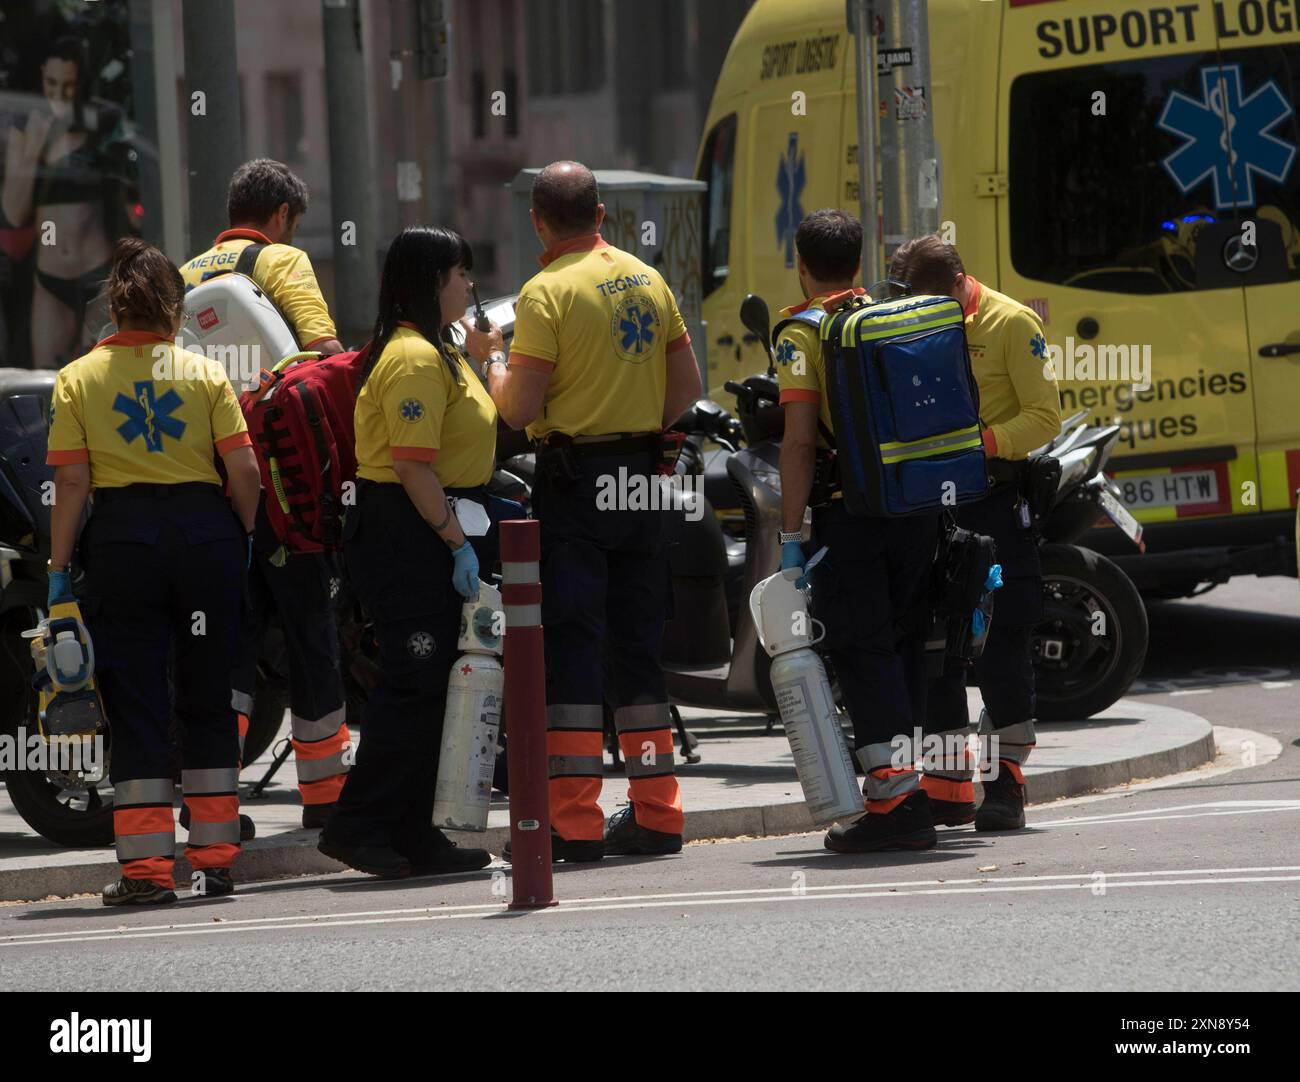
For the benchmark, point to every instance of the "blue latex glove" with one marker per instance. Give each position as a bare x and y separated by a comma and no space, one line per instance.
994,581
792,555
60,586
465,574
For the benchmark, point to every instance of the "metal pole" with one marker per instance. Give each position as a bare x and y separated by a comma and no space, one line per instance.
909,159
525,706
212,124
352,203
862,22
401,64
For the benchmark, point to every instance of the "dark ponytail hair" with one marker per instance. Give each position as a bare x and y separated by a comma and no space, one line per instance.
417,266
144,286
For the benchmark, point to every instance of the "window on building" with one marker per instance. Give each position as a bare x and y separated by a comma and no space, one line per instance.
284,120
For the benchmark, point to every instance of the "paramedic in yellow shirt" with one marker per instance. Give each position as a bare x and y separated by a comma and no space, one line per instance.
872,581
1020,410
266,201
600,364
426,446
136,425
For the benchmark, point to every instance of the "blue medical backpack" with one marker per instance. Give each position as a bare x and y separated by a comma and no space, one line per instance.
904,404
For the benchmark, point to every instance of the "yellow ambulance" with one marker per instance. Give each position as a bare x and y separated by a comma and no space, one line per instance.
1128,169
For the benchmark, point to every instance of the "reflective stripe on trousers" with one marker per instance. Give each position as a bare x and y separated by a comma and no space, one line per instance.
575,757
318,748
212,795
886,785
645,737
948,765
144,830
1009,746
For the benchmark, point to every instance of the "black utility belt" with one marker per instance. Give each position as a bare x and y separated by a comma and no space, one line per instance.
144,491
618,443
1003,472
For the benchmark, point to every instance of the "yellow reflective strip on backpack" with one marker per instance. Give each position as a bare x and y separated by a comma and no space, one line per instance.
961,439
889,332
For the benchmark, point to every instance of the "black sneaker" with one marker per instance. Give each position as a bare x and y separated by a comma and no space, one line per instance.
377,860
575,852
215,883
1004,804
952,813
315,816
908,826
247,828
441,856
624,836
137,892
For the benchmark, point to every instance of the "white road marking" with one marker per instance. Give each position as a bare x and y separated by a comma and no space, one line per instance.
1233,807
1192,691
1274,685
980,885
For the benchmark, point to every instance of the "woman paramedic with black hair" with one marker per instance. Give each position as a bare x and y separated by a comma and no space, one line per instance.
425,431
136,425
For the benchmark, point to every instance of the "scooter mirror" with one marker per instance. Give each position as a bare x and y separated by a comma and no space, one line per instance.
753,314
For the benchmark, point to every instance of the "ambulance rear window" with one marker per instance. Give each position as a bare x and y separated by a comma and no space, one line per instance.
1121,178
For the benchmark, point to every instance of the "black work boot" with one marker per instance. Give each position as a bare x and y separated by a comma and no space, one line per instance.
315,816
1004,803
377,860
137,892
215,883
247,828
952,813
624,836
439,855
909,826
571,852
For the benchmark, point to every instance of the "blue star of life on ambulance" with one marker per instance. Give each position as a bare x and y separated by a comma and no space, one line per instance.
149,416
635,326
1228,138
790,180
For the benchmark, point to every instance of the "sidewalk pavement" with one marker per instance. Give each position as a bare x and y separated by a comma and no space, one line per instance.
744,785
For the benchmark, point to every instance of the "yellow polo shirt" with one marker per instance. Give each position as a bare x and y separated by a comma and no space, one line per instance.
283,272
139,410
412,408
800,365
602,324
1008,353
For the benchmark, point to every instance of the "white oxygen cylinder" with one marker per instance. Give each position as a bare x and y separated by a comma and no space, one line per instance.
473,717
804,698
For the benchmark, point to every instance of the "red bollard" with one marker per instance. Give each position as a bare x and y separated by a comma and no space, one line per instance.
525,706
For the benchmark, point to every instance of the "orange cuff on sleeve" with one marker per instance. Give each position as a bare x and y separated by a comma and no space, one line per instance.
239,439
415,454
537,364
67,458
317,341
681,342
799,394
990,443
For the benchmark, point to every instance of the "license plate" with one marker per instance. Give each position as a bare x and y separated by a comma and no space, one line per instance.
1191,487
1119,515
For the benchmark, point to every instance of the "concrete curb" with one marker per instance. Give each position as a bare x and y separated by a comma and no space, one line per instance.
294,853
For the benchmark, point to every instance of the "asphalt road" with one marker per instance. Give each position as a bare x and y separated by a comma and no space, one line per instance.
1188,886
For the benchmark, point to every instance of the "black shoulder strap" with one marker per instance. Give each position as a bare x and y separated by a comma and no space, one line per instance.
248,259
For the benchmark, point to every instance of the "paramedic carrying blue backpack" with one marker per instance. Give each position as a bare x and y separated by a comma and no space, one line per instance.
904,404
904,409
